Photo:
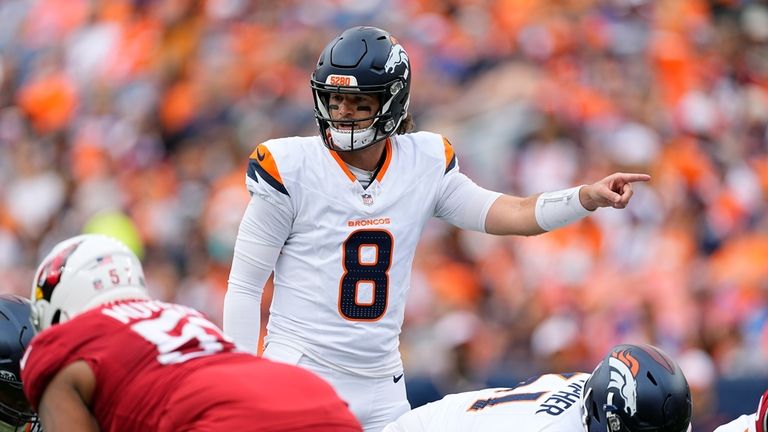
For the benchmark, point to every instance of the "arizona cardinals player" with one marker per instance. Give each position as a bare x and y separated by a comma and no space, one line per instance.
109,358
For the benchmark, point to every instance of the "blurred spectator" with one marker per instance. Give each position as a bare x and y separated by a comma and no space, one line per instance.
149,110
699,370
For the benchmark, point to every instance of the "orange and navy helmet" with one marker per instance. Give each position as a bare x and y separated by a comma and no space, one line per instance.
636,388
364,60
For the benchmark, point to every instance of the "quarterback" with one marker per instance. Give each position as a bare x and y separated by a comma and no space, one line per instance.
337,217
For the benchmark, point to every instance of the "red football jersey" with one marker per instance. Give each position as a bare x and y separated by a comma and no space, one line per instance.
164,367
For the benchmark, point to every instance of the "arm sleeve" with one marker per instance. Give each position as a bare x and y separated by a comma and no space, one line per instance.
53,349
38,367
463,203
264,229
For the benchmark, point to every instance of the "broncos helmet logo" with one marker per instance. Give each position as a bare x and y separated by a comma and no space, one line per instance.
623,370
397,56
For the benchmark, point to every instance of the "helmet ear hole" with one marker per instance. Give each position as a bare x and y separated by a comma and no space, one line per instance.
56,317
651,378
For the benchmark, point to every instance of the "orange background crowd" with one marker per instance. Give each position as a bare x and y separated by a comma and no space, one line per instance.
140,115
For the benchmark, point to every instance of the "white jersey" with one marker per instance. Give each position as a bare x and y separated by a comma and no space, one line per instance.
346,251
547,403
745,423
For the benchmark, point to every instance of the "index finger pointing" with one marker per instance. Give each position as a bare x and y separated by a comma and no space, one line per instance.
632,177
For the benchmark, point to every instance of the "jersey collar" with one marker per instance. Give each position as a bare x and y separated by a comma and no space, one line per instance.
380,171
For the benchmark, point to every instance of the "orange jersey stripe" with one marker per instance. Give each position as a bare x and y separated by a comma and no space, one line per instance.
450,156
342,165
387,160
265,160
381,172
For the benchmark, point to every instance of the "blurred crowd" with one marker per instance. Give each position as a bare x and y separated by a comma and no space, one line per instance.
136,117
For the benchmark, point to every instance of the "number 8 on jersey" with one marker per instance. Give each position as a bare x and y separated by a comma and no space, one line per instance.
363,290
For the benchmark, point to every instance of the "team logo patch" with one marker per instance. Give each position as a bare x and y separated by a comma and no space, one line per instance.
367,199
622,382
397,56
341,80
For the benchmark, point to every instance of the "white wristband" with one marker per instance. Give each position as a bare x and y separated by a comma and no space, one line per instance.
559,208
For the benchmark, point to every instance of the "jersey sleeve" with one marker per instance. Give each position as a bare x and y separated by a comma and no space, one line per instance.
745,423
263,177
460,201
46,355
264,229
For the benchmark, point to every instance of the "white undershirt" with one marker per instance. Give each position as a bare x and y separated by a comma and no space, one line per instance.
365,177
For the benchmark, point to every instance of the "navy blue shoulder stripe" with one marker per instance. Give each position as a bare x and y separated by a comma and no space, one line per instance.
252,170
451,164
254,167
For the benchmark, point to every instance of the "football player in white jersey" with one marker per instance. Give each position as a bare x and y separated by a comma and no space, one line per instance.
634,388
755,422
338,217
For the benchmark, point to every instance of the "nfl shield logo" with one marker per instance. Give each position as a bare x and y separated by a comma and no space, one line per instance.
367,199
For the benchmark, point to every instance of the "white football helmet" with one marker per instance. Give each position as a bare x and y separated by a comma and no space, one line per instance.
84,272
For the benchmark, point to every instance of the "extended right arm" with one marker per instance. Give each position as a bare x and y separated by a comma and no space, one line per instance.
264,228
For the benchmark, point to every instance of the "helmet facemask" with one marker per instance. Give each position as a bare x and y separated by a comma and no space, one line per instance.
16,419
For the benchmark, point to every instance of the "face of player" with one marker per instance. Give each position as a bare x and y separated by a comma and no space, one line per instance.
360,108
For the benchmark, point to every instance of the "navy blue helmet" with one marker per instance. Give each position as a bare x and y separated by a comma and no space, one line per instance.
16,331
637,388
